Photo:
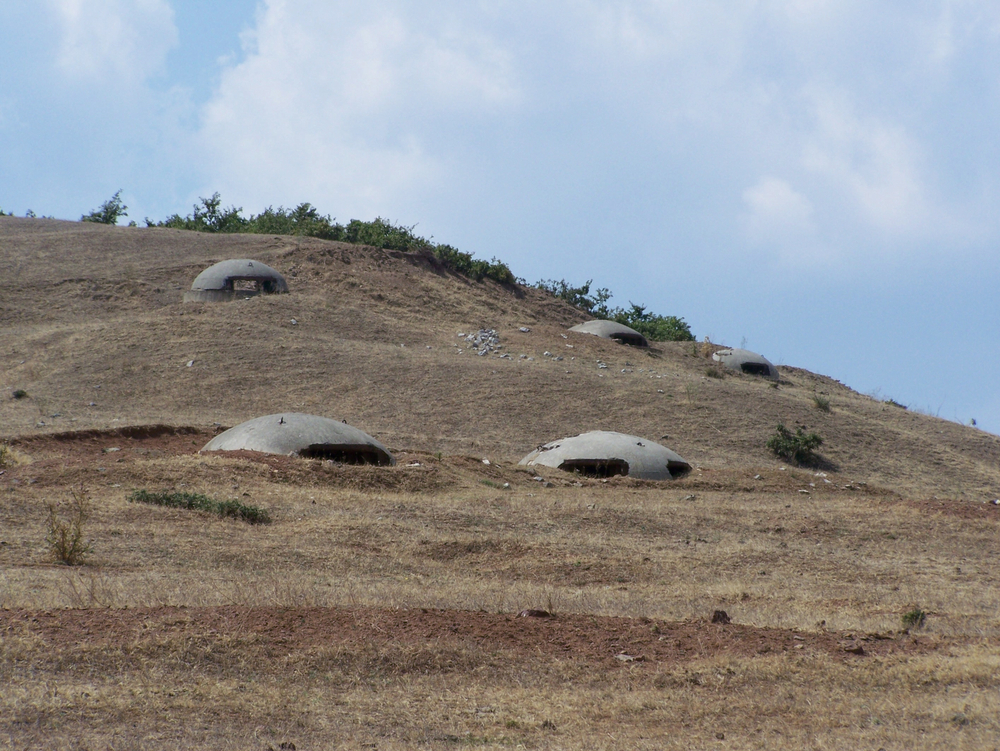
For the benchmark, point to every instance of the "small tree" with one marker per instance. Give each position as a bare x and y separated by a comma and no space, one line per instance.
109,212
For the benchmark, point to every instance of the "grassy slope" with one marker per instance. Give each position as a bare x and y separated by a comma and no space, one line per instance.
88,306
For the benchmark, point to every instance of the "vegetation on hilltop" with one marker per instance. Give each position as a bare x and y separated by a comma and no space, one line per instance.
653,326
306,221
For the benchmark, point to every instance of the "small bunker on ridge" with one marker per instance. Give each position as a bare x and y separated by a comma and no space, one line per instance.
602,453
612,330
308,436
746,362
236,278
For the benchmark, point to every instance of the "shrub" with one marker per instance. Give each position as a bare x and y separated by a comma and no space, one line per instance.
822,403
651,325
305,220
19,394
914,619
199,502
65,536
894,403
109,212
797,447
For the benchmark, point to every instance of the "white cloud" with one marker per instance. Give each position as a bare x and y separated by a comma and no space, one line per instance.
339,103
777,214
124,41
875,164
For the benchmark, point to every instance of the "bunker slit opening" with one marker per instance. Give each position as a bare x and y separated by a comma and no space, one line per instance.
755,368
250,286
634,341
678,469
596,467
347,454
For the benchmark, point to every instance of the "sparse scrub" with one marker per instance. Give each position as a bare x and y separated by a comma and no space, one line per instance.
19,394
714,373
914,619
651,325
894,403
5,455
304,220
798,447
821,402
109,212
65,536
199,502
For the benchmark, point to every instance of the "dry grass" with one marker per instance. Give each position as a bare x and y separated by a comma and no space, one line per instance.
807,564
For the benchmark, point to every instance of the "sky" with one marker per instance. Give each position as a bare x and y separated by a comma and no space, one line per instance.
816,180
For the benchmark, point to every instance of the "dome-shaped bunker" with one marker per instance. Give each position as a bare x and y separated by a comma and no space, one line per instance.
746,362
602,453
236,278
309,436
612,330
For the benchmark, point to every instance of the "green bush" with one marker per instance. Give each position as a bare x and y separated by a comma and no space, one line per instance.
651,325
304,220
199,502
797,447
109,212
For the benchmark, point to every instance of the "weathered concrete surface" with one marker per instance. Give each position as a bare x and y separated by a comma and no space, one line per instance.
612,330
299,434
217,283
746,362
602,453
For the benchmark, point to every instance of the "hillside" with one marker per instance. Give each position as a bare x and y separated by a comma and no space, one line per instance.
455,599
93,314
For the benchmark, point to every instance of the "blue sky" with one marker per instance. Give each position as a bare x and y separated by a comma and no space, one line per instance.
819,179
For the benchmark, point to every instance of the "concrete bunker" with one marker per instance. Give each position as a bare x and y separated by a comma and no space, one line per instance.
308,436
612,330
236,278
602,453
746,361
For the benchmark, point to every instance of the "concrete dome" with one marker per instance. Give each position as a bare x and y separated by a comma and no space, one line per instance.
240,277
296,434
612,330
602,453
746,362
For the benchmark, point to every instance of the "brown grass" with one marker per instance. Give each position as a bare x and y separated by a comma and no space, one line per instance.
379,609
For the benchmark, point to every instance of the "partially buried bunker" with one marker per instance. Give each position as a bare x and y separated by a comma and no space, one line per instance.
602,453
746,361
236,278
308,436
612,330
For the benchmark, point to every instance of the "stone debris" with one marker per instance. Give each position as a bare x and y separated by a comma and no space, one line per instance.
629,658
484,341
546,354
524,329
535,613
601,365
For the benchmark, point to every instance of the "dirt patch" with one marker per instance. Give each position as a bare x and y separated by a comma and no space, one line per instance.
961,509
605,641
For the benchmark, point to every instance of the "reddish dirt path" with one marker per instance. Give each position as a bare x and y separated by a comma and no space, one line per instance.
600,640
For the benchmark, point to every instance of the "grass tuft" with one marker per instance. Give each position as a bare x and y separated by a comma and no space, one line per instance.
199,502
914,619
821,402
